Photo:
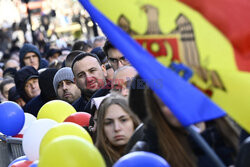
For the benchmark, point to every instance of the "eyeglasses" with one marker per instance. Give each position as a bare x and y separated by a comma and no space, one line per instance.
123,60
108,66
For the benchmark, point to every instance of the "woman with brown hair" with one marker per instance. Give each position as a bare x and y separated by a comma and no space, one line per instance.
174,143
172,139
115,125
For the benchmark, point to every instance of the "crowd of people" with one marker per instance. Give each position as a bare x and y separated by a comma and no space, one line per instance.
127,115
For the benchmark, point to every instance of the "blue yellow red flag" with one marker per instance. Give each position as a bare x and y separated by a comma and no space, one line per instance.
186,102
211,37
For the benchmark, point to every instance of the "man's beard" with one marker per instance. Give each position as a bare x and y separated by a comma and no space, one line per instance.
88,93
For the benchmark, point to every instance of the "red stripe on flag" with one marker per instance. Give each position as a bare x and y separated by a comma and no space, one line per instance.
232,18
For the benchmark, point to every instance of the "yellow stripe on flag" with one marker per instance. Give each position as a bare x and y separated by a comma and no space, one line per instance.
184,36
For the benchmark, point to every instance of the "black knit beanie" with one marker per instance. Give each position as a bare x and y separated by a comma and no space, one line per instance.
46,84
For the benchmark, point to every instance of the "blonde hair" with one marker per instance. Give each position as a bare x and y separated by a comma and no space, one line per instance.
109,152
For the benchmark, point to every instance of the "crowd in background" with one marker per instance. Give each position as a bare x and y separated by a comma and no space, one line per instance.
94,77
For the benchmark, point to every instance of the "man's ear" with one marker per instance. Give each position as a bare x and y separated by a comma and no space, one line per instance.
104,70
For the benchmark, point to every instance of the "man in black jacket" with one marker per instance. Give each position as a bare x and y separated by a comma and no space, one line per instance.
26,80
47,92
89,76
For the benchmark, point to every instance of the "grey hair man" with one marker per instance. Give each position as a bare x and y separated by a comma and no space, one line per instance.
122,80
99,41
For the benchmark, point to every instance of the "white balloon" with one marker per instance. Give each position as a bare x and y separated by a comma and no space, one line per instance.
29,118
33,136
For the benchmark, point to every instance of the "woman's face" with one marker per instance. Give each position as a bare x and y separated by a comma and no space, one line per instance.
118,125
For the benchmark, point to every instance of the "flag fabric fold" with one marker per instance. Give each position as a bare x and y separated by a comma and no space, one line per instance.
186,102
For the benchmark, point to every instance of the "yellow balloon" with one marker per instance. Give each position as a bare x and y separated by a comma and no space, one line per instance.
70,151
62,129
57,110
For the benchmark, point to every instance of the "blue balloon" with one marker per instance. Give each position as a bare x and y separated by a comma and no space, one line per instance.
141,158
22,158
11,118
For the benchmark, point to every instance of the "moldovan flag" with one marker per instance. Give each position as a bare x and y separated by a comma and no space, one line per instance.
212,37
186,102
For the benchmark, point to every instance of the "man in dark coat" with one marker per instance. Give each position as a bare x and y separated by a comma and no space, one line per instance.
64,85
26,80
47,92
89,76
29,55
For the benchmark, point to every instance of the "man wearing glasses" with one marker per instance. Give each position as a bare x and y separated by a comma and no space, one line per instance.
115,57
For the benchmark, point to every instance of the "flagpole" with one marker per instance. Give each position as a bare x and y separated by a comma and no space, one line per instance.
205,147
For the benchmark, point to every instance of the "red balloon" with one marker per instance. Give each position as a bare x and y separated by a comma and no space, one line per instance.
19,136
24,163
80,118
